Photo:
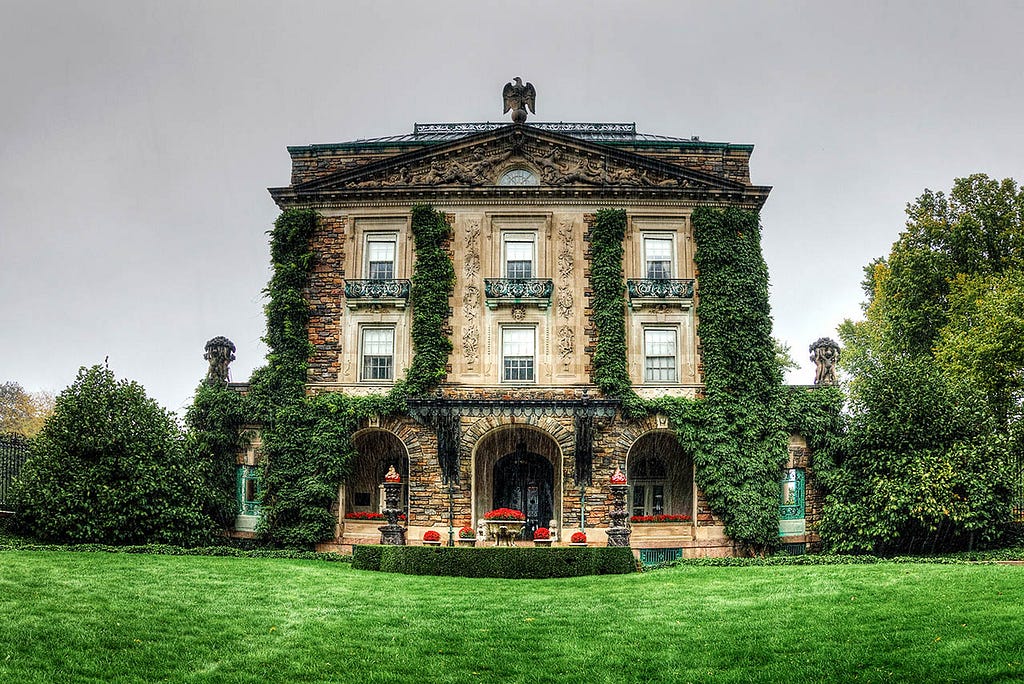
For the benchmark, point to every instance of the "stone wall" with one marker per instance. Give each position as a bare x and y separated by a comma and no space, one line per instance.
325,294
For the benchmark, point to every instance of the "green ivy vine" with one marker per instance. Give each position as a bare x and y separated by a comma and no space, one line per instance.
609,371
737,433
307,440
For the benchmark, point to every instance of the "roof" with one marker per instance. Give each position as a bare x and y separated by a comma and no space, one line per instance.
604,133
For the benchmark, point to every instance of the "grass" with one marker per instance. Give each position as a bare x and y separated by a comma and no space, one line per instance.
144,618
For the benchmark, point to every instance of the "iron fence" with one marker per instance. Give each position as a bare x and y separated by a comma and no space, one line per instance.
13,453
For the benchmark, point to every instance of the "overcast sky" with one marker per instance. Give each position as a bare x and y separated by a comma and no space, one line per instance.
137,140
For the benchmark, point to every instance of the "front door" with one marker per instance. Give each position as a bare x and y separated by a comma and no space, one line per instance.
525,481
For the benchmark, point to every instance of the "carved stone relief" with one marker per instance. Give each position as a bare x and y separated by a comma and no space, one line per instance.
556,165
564,299
566,343
471,292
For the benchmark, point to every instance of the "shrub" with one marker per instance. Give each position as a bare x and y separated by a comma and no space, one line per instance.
467,533
507,563
578,538
431,536
542,533
366,557
109,467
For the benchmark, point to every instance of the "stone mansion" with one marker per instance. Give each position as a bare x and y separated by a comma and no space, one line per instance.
518,421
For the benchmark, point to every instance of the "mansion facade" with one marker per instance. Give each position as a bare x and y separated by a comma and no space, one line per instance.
518,421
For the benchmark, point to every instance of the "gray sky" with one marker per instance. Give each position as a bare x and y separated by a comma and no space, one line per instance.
137,140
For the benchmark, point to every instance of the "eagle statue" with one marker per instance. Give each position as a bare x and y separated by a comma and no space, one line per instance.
518,97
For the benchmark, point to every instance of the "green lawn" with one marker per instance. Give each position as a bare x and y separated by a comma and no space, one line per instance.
119,617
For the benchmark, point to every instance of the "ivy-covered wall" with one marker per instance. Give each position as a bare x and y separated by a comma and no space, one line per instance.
738,433
307,439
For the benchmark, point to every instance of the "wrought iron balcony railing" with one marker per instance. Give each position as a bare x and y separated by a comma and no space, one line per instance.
659,291
394,292
518,291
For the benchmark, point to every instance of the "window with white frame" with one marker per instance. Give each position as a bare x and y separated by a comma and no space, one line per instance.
660,355
518,353
378,345
519,254
658,257
381,249
649,487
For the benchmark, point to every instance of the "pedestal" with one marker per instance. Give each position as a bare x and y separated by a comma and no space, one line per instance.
392,533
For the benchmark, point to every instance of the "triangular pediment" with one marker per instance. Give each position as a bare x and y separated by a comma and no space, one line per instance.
552,160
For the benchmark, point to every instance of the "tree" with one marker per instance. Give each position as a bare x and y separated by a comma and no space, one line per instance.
23,412
935,378
109,467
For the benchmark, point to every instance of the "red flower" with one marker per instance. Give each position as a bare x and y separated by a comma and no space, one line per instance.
659,518
542,533
504,514
368,515
364,515
467,533
431,536
578,538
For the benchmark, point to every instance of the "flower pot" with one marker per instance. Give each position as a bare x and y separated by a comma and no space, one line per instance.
577,543
542,542
431,543
465,541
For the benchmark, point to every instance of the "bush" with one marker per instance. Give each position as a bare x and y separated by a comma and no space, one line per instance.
366,557
507,563
109,467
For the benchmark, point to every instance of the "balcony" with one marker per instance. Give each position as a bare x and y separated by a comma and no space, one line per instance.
508,291
377,292
660,291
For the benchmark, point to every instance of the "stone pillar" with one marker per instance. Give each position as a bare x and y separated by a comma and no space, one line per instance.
392,533
618,531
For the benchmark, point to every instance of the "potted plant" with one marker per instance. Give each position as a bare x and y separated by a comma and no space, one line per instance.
542,537
467,536
578,539
505,514
504,525
432,538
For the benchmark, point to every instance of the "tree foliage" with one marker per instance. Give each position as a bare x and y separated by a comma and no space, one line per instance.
23,412
109,467
935,378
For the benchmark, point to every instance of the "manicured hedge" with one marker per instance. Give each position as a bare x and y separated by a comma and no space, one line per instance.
508,563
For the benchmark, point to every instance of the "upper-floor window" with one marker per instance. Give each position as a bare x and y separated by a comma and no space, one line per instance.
658,257
518,354
519,255
378,354
660,355
381,249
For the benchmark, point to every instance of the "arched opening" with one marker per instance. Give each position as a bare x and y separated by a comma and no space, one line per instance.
363,491
660,475
519,467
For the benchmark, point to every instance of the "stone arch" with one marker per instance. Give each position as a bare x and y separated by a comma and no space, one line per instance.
377,449
496,439
475,432
660,474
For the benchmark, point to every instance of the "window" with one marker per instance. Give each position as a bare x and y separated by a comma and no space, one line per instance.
380,256
791,506
518,177
517,354
519,253
658,257
378,354
248,490
660,355
649,487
